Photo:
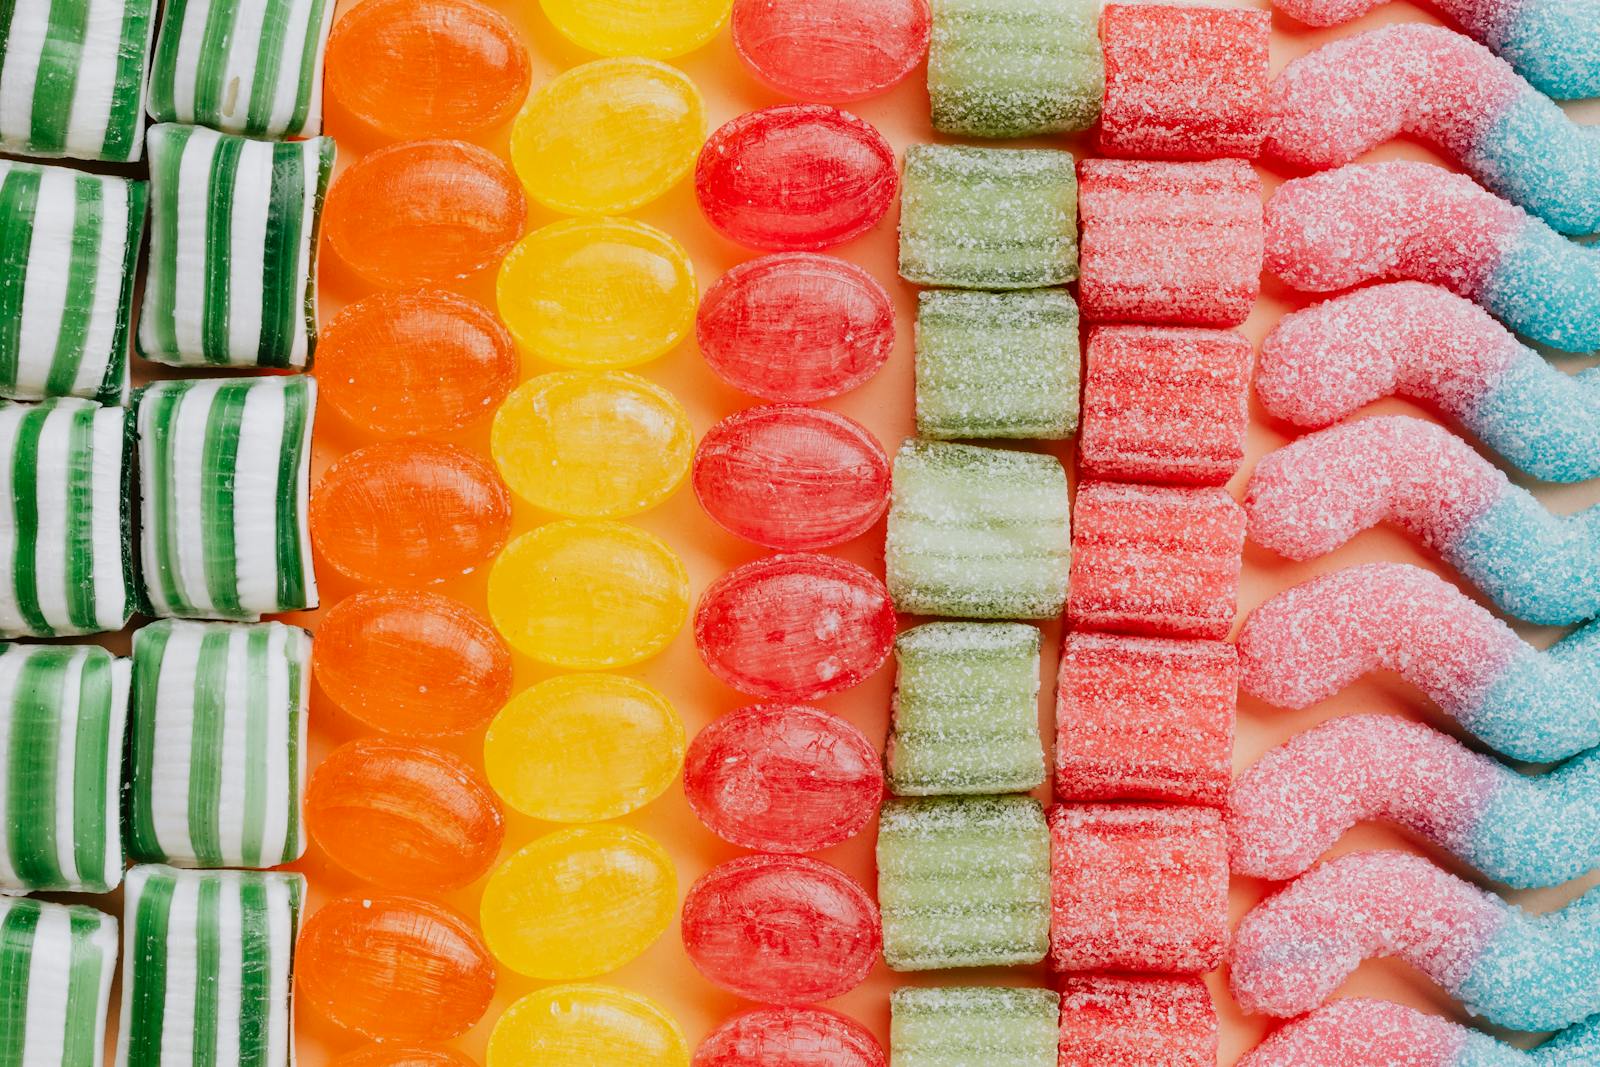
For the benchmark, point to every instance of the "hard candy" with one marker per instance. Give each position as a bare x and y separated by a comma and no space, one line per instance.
585,1025
790,1037
409,1056
660,29
831,51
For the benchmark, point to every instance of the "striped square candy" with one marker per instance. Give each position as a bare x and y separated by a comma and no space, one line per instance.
69,247
65,525
72,77
233,239
209,956
216,764
56,964
224,483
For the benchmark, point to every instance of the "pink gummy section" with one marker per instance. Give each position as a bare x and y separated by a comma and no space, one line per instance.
1482,19
1177,243
1165,404
1362,1033
1113,1021
1376,221
1293,950
1184,82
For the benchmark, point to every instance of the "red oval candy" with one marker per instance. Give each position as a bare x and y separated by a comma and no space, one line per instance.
831,50
789,1037
798,177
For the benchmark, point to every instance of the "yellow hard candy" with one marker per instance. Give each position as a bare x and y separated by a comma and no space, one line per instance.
586,1026
657,28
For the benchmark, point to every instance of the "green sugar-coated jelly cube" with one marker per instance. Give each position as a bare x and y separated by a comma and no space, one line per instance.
978,533
997,364
966,710
973,1026
56,965
963,882
988,218
1015,68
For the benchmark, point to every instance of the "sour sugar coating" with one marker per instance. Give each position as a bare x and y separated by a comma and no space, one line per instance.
1309,497
1125,1021
1526,831
1415,221
980,1026
1428,344
1521,971
1432,83
1308,643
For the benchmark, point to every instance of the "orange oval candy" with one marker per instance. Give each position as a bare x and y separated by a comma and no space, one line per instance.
410,1056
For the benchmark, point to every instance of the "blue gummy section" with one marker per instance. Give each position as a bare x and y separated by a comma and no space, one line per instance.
1544,421
1536,566
1535,156
1540,830
1547,288
1544,706
1579,1045
1539,972
1481,1050
1553,44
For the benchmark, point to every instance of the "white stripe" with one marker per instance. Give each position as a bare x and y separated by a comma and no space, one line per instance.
239,69
280,918
287,88
49,974
172,747
191,35
251,195
194,208
275,760
104,942
137,879
62,804
183,460
19,72
235,736
151,469
108,481
50,548
109,260
177,1031
302,491
11,620
44,293
90,114
121,680
255,500
230,962
304,274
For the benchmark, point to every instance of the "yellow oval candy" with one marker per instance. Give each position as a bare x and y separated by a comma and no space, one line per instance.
586,1026
658,28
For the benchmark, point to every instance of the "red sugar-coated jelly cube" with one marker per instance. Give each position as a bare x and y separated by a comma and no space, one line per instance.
1184,82
831,50
1157,560
1178,243
1145,718
789,1037
1137,887
1166,404
1124,1021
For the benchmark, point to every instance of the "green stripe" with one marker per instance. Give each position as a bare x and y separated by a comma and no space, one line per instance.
161,483
164,68
208,971
291,568
25,513
147,970
81,1039
280,257
326,150
31,787
91,765
255,978
83,269
169,146
308,67
291,829
218,480
219,207
255,792
79,569
57,80
16,963
205,747
19,201
111,386
269,59
211,76
126,117
8,11
149,649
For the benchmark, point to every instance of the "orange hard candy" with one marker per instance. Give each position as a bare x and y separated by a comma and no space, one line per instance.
409,1056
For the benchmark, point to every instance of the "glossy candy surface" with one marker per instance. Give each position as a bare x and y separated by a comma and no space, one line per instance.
831,51
660,29
585,1025
790,1037
408,1056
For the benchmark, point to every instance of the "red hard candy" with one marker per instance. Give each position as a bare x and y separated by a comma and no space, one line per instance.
789,1037
783,778
798,177
831,50
794,627
782,929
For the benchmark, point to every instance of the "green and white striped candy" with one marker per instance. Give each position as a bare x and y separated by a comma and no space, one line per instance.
56,964
69,246
209,959
216,764
242,66
72,77
63,710
64,528
233,240
224,486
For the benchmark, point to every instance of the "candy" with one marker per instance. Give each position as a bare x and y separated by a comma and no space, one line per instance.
1017,68
1138,888
425,362
1406,220
597,293
409,1056
783,778
1311,496
963,882
1165,404
792,478
582,1025
65,528
578,903
794,627
1141,718
796,178
233,239
1308,643
609,136
584,747
609,595
790,1037
404,816
1155,560
1176,243
997,364
438,68
1110,1021
973,1027
977,532
592,445
966,710
56,965
424,212
69,249
988,218
660,29
796,326
833,50
782,929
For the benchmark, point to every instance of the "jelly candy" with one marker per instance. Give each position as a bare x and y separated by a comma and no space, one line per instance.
584,747
660,29
415,363
394,968
588,595
426,68
598,293
60,960
799,177
790,1037
584,1025
984,1026
792,478
831,51
786,930
409,512
409,1056
796,326
1138,888
609,136
404,816
783,778
1138,1022
592,445
794,627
